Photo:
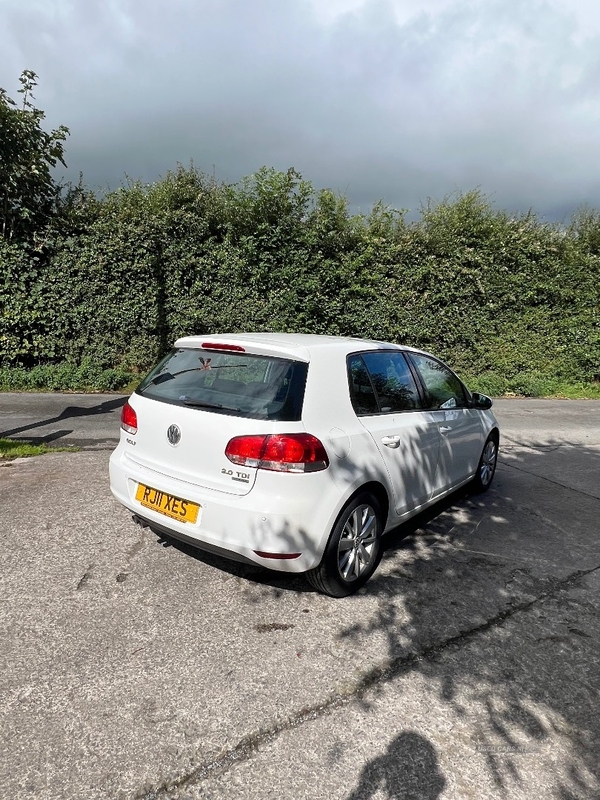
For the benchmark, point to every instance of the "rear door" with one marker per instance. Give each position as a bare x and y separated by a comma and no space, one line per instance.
386,399
460,427
195,401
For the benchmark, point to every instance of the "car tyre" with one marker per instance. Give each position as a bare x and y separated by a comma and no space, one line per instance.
353,550
486,468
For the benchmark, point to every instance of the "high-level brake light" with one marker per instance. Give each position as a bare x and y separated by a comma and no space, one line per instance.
232,348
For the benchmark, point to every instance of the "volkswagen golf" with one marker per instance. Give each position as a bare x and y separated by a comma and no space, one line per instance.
298,452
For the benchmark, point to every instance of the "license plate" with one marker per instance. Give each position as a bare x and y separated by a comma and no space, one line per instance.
174,507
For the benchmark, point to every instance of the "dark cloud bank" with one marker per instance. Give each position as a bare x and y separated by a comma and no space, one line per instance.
376,101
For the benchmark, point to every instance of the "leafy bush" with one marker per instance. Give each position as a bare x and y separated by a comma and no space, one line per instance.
64,377
104,287
28,193
93,289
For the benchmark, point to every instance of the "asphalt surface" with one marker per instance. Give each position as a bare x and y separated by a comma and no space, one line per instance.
466,668
80,420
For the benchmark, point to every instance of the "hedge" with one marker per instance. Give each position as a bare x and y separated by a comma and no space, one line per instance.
112,281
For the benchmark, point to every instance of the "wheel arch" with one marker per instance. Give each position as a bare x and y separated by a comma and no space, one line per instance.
495,434
379,491
326,577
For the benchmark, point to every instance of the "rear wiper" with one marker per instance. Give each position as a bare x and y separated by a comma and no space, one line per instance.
199,403
167,376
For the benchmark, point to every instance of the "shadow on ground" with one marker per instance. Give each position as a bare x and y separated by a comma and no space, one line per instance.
491,600
408,770
509,645
71,412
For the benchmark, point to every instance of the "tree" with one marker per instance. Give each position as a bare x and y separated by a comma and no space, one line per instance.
28,192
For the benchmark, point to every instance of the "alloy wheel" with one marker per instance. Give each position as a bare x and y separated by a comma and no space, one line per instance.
357,545
488,463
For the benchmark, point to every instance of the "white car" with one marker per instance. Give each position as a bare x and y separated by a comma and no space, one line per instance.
297,452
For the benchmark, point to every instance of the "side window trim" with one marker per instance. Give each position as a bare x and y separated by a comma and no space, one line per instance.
421,388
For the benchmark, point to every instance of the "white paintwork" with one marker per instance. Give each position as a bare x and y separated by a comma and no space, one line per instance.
409,445
201,449
286,512
461,433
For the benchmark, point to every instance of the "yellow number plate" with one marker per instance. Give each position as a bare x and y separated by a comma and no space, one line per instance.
174,507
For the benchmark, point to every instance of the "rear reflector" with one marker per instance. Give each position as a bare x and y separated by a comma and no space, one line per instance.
234,348
262,554
128,419
287,452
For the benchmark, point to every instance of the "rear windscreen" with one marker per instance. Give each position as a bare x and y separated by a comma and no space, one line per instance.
261,387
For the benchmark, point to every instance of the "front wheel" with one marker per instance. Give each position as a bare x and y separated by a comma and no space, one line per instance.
353,550
487,465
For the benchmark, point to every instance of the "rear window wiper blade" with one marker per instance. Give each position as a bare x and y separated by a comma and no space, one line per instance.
201,404
167,376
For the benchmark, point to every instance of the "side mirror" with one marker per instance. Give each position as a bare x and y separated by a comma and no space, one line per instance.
481,400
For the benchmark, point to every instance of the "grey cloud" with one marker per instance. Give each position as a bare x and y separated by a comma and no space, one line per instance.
489,94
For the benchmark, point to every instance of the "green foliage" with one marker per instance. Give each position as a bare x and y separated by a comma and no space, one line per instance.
585,229
532,384
10,448
93,290
117,279
64,377
28,193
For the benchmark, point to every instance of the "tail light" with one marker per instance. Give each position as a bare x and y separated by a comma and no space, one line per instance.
288,452
128,419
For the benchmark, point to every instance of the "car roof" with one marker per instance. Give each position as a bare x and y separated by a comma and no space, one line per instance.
296,345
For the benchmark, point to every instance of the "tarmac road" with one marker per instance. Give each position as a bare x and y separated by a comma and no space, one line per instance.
81,420
467,668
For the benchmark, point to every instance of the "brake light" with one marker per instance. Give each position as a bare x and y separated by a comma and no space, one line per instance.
287,452
128,419
235,348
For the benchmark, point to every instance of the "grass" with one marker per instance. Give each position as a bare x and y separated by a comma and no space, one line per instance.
578,391
65,377
10,448
130,387
533,385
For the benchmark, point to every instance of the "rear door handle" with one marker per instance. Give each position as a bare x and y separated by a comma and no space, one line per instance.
445,428
391,441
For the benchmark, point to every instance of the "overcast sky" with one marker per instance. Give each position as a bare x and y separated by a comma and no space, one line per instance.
398,100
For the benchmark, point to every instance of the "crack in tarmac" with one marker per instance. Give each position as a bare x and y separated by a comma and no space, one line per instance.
84,578
377,676
543,478
533,512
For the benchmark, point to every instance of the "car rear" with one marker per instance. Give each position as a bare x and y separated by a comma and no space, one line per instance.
213,450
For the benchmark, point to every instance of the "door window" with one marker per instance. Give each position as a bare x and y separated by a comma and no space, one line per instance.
444,390
362,392
381,382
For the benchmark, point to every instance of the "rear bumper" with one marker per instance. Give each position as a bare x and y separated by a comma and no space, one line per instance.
284,514
161,530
